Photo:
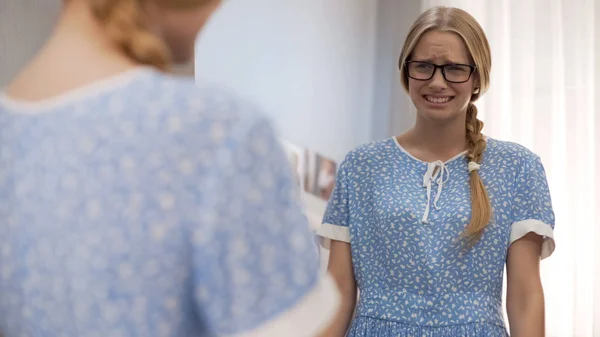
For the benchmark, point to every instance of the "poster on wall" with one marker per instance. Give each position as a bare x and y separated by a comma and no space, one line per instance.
315,179
319,179
315,176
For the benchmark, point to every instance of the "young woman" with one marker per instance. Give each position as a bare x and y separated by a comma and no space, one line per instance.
133,203
423,224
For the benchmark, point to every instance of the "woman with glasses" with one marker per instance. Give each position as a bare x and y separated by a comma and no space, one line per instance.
135,203
423,224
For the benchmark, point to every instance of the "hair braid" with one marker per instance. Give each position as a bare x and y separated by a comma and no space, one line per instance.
126,25
481,213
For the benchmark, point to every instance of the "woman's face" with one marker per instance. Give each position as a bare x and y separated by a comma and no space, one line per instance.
436,99
180,27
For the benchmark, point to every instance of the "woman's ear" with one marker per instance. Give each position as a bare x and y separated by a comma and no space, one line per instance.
476,85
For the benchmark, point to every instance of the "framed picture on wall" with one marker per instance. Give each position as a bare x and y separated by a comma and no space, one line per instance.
319,178
315,178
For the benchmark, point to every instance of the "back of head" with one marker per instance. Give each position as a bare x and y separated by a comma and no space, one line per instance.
458,21
131,25
96,40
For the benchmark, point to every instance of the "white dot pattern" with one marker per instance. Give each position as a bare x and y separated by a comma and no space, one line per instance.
156,208
414,278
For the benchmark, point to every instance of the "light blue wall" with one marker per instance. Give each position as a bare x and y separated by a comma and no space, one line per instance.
324,71
308,63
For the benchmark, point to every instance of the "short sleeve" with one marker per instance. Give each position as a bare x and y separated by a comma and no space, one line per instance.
336,220
256,268
532,205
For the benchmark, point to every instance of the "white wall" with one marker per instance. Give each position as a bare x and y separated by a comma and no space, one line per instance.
24,26
308,63
597,156
393,112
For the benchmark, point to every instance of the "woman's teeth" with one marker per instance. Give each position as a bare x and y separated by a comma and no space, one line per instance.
437,99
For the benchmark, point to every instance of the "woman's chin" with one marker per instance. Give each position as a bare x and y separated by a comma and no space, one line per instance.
439,116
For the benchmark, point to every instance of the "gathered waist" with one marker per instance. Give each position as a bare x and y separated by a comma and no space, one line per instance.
434,309
370,327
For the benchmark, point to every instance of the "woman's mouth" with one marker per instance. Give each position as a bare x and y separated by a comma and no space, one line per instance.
438,99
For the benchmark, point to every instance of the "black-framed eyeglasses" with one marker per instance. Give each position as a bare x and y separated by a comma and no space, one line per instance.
453,73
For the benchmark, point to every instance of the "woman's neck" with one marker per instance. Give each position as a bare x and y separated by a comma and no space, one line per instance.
431,141
76,54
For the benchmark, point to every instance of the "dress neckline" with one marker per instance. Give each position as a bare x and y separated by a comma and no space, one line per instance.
93,89
459,155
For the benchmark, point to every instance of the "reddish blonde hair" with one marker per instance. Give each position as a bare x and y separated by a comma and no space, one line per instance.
127,25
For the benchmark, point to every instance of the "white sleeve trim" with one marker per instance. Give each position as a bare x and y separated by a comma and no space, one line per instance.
334,232
522,228
312,315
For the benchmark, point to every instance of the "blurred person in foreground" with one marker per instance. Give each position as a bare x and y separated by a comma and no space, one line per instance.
136,203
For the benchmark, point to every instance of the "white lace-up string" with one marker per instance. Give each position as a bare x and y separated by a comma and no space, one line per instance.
436,172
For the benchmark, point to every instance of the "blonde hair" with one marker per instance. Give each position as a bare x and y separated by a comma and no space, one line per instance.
463,24
126,24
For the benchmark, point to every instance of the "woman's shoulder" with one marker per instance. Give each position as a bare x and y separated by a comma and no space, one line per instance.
508,151
206,101
371,153
206,114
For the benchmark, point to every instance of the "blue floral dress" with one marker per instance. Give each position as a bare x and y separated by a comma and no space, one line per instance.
403,216
143,205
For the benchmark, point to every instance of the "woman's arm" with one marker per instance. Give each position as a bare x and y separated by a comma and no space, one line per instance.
525,295
340,267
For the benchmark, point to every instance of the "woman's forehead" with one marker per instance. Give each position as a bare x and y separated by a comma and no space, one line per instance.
438,46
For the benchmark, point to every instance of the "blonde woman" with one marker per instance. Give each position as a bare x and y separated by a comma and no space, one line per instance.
133,203
423,224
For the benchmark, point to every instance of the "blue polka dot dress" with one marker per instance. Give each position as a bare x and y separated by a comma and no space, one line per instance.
143,205
403,216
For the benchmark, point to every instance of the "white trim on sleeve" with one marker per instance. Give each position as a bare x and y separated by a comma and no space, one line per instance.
334,232
309,317
522,228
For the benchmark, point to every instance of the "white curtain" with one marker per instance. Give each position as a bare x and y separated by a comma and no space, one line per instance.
545,80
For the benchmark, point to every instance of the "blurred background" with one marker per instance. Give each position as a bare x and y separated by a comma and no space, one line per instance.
325,71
